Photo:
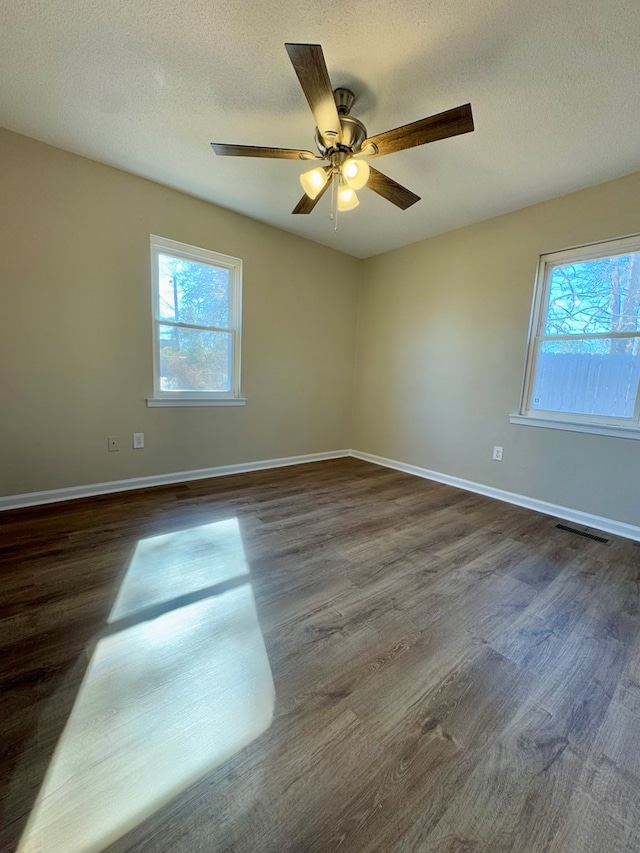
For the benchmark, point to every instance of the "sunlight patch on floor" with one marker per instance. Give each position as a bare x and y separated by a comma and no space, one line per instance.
163,701
172,565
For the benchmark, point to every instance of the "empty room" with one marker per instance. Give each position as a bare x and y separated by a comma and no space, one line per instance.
319,505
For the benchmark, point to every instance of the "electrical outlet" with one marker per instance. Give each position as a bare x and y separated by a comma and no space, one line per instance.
113,443
497,453
138,440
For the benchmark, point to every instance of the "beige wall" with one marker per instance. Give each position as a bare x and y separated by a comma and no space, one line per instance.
441,347
75,329
439,337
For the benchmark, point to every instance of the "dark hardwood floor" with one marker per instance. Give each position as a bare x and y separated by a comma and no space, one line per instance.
451,673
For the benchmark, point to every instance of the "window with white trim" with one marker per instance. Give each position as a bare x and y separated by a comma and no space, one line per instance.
583,363
197,310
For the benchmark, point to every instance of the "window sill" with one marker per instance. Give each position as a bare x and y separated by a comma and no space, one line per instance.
153,402
616,430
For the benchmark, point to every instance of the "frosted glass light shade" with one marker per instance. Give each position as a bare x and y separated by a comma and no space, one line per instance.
313,181
347,199
355,173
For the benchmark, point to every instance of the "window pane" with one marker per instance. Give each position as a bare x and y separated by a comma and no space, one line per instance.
596,296
193,360
596,377
191,292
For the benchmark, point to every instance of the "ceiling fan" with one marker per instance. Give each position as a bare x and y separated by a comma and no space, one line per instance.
342,141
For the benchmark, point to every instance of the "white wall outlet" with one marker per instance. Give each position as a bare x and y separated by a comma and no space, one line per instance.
113,443
138,440
497,453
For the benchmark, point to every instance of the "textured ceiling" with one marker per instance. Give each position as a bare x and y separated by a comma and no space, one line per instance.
147,85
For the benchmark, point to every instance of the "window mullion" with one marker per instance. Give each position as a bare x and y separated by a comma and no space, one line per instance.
590,336
194,326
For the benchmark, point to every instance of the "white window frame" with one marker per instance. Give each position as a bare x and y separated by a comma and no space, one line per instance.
161,397
597,424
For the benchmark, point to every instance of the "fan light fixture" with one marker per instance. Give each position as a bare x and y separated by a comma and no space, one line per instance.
347,199
355,173
313,181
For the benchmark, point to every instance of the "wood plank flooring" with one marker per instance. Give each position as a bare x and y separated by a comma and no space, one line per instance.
451,673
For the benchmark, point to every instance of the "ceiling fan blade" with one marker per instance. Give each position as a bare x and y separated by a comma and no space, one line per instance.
441,126
308,63
306,204
392,191
256,151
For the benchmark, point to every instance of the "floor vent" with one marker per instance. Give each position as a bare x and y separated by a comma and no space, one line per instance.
593,536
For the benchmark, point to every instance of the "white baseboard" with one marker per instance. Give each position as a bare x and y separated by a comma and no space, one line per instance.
609,525
73,492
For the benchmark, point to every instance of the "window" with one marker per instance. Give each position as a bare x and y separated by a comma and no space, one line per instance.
583,365
196,325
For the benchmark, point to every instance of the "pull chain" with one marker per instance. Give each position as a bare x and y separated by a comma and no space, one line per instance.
333,215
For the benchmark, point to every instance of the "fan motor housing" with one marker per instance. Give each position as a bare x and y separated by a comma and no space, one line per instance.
354,134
